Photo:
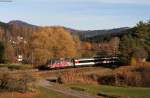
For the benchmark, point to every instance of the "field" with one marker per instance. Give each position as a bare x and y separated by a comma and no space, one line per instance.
79,79
122,92
43,93
79,82
127,92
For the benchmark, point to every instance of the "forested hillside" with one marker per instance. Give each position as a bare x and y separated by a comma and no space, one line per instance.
98,35
136,44
36,45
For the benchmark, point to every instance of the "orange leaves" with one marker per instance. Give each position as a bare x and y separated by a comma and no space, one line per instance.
52,42
86,46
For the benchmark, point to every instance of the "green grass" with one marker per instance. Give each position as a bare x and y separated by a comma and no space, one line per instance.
132,92
44,93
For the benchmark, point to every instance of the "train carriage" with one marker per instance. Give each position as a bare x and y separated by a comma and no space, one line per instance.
81,62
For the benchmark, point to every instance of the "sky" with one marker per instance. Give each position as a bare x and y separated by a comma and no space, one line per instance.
77,14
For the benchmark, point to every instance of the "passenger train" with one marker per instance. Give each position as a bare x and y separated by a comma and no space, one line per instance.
81,62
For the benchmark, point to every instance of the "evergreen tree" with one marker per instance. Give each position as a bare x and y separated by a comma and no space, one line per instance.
137,43
1,52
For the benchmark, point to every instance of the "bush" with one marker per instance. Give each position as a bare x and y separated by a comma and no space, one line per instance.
22,83
126,76
106,80
133,75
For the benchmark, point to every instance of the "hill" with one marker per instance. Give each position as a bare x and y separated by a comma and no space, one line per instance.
19,23
24,29
94,35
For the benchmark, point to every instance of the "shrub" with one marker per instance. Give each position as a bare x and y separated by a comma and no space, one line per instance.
22,83
107,80
126,76
133,75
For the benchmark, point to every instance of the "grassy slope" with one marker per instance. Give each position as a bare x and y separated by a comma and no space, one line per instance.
111,90
43,94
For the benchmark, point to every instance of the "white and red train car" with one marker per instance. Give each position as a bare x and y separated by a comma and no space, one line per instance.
81,62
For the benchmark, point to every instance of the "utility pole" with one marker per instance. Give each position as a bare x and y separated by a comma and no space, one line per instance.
32,57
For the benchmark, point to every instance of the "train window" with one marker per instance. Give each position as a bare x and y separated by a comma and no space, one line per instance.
85,61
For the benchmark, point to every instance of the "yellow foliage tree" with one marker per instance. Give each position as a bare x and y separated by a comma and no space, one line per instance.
51,42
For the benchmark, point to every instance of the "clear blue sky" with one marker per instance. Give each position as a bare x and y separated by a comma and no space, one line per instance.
78,14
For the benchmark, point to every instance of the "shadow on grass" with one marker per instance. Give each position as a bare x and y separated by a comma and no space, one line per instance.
77,88
107,96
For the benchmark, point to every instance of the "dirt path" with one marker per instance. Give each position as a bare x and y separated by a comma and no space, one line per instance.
46,84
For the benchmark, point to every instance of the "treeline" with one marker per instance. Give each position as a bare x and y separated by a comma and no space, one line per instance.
135,46
132,44
39,44
36,45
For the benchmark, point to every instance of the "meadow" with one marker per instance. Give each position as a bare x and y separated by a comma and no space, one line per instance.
41,93
119,92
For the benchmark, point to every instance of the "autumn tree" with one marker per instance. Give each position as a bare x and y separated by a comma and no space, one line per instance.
86,46
1,33
86,49
9,53
114,45
51,42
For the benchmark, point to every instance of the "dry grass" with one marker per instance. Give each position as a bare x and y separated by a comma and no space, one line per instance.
19,95
123,76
